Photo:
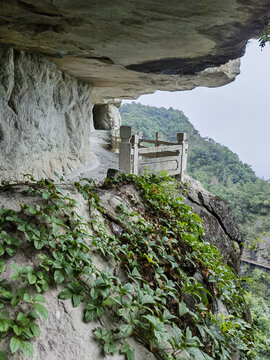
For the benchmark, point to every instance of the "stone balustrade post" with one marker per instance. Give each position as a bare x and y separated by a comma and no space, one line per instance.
159,138
182,139
135,142
125,150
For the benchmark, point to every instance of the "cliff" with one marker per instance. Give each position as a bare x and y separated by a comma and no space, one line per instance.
123,267
128,48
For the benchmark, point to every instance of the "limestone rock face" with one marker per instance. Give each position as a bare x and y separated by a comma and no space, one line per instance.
126,48
219,223
106,117
45,117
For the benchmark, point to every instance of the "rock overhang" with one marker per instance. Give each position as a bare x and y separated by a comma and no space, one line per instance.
126,48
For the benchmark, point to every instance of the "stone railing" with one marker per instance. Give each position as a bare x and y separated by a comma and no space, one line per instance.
137,154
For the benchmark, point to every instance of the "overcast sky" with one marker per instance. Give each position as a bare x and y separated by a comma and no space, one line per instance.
236,115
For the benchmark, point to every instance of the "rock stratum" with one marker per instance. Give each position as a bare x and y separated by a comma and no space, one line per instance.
126,48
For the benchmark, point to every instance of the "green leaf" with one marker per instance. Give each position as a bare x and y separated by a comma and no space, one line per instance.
109,301
38,244
125,330
167,315
98,333
100,312
135,273
59,276
27,333
65,294
27,348
11,250
17,330
178,335
32,210
188,334
147,299
20,316
110,348
2,266
21,227
15,267
39,298
128,350
3,355
89,315
33,314
152,320
54,228
31,278
14,344
35,329
27,297
4,326
128,287
183,309
43,312
45,194
76,299
197,353
11,218
2,250
40,274
21,292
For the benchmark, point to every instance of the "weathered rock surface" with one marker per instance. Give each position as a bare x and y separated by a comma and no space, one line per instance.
106,117
261,253
126,48
46,117
219,223
64,336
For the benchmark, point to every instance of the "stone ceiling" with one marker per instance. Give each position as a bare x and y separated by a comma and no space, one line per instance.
125,48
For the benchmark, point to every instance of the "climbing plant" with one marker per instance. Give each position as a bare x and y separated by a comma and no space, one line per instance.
172,283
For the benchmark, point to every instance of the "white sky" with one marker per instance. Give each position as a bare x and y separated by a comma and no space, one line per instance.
236,115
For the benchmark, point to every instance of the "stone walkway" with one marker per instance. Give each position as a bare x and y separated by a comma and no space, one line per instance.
101,158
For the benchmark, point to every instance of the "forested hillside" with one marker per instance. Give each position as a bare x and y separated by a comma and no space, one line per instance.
224,174
217,167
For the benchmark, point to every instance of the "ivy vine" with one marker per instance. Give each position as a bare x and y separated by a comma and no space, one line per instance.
172,283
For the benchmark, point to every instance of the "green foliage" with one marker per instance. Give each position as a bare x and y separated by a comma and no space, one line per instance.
264,37
258,301
160,255
150,119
